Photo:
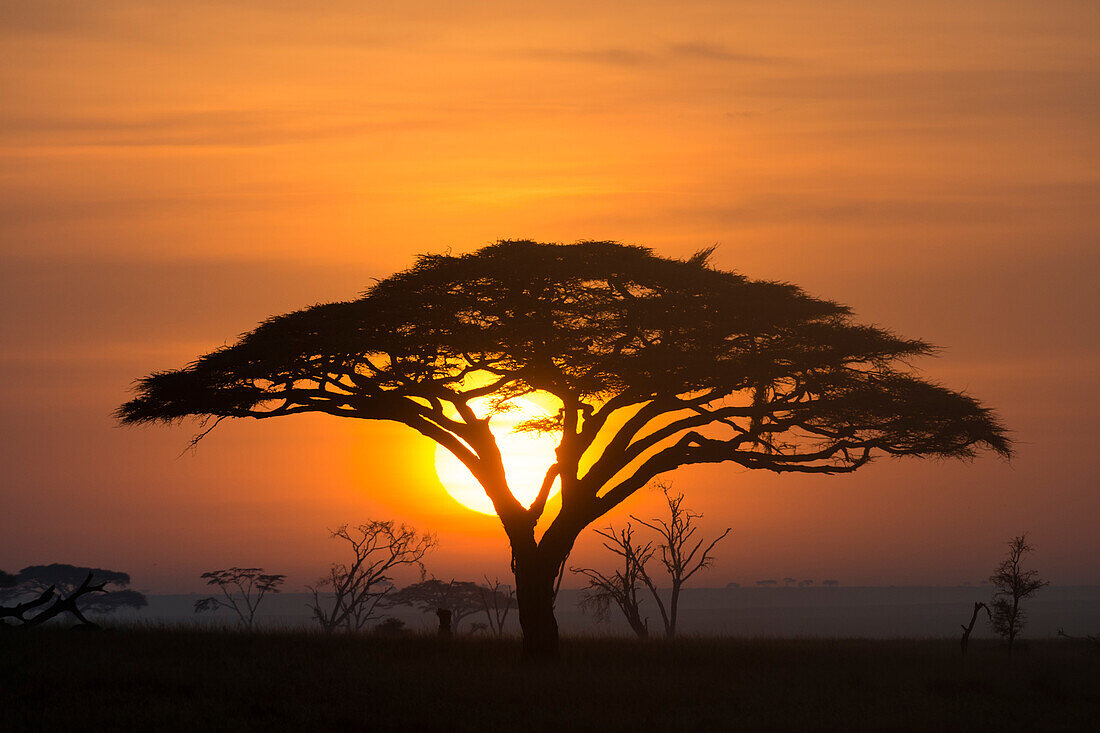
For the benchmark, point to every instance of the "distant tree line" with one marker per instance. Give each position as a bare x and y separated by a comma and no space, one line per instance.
355,592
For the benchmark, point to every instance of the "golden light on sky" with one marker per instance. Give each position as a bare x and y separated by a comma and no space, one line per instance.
172,173
526,457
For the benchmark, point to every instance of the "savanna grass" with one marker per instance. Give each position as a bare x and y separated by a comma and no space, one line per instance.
179,678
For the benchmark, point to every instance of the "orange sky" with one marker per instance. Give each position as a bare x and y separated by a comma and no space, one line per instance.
173,172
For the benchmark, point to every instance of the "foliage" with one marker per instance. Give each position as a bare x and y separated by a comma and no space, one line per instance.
390,626
1011,585
71,590
460,597
243,590
69,601
35,579
349,595
654,363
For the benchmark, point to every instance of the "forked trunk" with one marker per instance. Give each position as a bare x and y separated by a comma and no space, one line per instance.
535,578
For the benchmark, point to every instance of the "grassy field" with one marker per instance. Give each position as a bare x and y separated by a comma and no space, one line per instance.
189,679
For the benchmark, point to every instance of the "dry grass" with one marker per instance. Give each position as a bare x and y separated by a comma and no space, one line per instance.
179,678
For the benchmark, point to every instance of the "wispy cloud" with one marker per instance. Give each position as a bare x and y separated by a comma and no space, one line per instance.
229,127
718,52
662,55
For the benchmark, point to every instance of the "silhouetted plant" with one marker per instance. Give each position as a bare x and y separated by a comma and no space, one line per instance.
1093,640
621,587
349,596
67,602
243,588
67,578
390,626
680,553
71,590
497,600
655,363
682,556
969,628
1011,585
459,597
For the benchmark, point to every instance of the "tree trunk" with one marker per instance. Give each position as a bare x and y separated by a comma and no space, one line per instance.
967,630
535,596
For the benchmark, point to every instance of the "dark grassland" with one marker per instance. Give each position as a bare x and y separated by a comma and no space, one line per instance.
192,679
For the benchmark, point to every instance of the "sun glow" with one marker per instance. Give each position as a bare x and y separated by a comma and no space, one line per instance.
526,458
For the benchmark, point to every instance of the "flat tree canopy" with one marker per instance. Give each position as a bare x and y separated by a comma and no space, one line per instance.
654,363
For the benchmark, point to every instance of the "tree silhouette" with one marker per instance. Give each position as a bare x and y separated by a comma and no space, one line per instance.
1011,585
968,629
497,600
620,587
349,595
243,589
459,597
70,601
654,363
680,553
67,578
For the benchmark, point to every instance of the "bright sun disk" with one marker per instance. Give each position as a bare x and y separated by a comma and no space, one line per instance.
526,458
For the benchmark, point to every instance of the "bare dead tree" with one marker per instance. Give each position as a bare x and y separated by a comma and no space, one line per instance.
681,555
968,628
497,600
349,596
1011,585
621,587
243,589
61,604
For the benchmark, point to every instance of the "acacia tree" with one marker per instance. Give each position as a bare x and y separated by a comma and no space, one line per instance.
72,601
460,597
1011,585
243,589
654,363
351,592
67,578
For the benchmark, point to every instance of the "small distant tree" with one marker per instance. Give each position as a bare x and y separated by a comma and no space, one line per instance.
1011,585
61,603
390,626
67,578
69,588
621,587
458,597
682,555
497,600
243,589
352,592
969,628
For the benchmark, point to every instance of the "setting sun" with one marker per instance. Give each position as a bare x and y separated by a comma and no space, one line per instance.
526,458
